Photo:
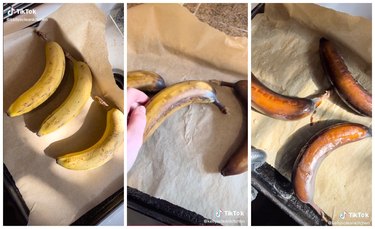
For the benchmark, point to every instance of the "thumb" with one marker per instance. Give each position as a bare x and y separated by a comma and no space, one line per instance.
135,130
137,122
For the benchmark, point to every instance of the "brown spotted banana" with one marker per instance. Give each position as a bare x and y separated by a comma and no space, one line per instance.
75,101
103,150
175,97
45,86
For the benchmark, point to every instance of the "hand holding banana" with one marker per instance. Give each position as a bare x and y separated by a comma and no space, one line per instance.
175,97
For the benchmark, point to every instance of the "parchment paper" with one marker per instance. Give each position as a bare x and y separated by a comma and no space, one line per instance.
180,162
55,195
285,56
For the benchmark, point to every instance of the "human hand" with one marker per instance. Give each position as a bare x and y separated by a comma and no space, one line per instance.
136,123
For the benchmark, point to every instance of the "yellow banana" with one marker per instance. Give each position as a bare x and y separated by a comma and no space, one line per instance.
102,151
145,81
174,97
45,86
74,103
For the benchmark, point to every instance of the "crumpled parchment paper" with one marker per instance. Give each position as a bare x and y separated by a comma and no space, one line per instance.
285,57
180,162
55,195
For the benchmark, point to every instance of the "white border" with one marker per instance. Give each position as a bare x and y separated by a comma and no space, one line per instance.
125,64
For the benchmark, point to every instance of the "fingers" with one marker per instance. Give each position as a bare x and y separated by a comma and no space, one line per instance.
137,121
135,98
135,130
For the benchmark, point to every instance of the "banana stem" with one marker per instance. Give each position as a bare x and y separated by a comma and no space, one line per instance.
70,57
41,35
221,107
101,102
222,83
45,38
319,98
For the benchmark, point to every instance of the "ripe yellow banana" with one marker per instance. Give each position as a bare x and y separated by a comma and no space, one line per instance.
102,151
74,103
145,81
174,97
45,86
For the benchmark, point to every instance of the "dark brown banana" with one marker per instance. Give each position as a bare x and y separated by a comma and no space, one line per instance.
316,150
348,89
279,106
238,161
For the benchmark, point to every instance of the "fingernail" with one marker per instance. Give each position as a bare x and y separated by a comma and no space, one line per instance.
141,110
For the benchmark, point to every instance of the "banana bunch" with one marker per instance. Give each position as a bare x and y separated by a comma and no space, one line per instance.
49,81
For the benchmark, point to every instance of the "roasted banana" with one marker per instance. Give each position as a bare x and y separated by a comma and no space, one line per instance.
315,150
240,89
45,86
74,103
348,89
238,161
102,151
174,97
279,106
146,81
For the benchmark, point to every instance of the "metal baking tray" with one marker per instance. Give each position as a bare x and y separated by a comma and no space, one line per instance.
162,211
16,211
276,192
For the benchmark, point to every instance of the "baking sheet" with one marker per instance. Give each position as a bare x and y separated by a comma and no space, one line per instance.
55,195
285,56
180,162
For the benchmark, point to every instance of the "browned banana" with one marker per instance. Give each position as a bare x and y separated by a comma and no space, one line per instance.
315,150
279,106
146,81
175,97
240,88
238,161
348,89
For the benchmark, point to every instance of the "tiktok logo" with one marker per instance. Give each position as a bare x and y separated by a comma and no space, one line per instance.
218,213
343,215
